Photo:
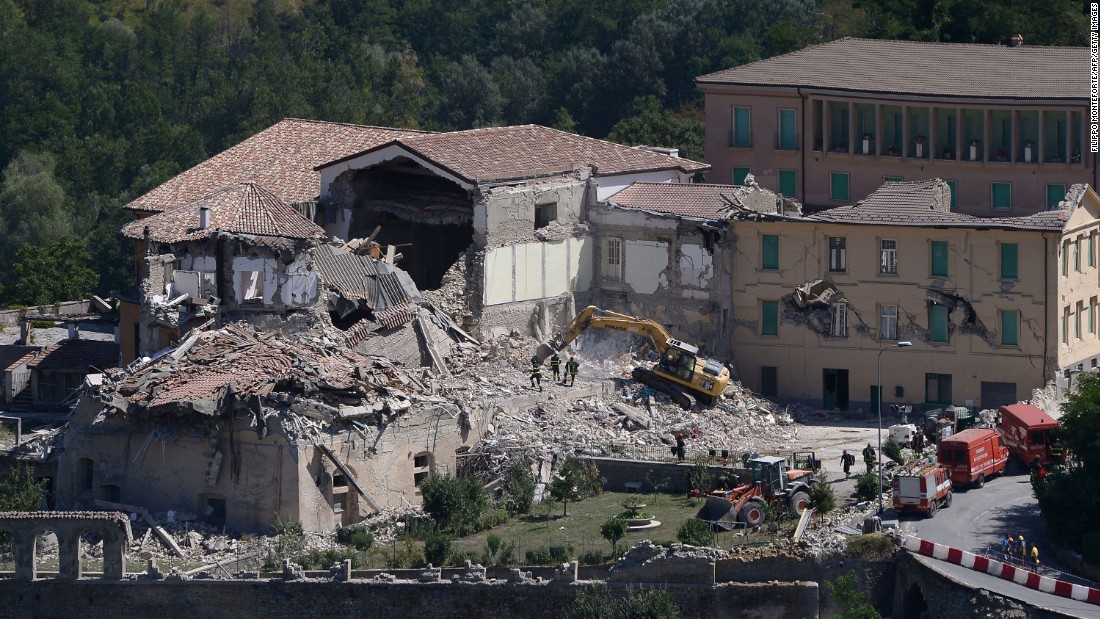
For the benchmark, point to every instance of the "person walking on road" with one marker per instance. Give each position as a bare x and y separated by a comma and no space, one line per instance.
1007,547
847,460
1021,549
869,457
1034,554
555,366
536,373
571,368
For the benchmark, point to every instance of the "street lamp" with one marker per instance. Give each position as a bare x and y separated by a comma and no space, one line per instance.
878,386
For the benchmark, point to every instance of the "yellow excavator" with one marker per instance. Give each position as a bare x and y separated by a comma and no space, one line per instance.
681,372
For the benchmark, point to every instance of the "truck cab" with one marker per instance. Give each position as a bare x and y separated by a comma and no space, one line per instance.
1029,434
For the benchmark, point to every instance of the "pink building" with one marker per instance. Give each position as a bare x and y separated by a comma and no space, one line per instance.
1005,126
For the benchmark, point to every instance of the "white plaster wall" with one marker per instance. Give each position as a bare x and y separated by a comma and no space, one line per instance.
266,265
530,271
611,185
696,266
301,284
191,262
644,264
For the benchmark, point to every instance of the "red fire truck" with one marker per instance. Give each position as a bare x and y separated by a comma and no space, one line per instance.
973,456
1027,434
922,487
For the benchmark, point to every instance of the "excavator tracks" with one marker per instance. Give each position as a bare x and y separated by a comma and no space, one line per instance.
674,391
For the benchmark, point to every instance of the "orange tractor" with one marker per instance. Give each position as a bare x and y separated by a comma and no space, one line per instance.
746,505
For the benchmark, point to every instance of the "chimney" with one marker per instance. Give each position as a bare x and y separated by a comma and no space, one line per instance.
1016,41
204,217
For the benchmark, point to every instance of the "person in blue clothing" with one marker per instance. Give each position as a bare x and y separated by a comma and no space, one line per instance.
1007,546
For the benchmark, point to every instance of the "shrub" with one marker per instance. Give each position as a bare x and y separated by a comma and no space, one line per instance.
866,486
892,449
699,476
362,540
454,503
538,556
21,492
560,554
292,538
613,530
592,557
497,552
492,518
519,487
437,548
695,532
871,546
823,497
852,603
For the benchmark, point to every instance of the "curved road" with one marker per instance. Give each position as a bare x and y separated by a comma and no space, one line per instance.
977,521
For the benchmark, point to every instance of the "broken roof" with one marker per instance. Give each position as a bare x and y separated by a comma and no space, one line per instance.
683,200
10,354
499,153
387,291
927,204
963,70
246,208
77,356
281,158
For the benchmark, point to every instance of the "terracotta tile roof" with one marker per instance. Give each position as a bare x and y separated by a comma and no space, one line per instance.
682,200
10,354
246,208
926,204
529,150
78,356
362,278
281,158
918,68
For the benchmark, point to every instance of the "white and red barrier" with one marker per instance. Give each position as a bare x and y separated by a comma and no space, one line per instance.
1003,570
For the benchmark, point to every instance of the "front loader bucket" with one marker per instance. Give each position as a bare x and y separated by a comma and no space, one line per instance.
718,512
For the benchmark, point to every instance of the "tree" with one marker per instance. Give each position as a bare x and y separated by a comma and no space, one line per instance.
519,487
453,503
56,272
437,548
852,603
563,489
695,532
651,125
32,207
613,530
892,449
823,497
20,491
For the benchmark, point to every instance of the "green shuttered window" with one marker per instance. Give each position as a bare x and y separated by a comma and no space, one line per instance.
939,258
769,318
770,244
1010,268
937,322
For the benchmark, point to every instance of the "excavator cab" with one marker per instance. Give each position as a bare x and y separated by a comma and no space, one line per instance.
677,362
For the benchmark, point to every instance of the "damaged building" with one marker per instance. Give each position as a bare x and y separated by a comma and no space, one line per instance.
815,299
494,221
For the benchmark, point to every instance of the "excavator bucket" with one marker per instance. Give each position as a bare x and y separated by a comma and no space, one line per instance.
718,512
544,351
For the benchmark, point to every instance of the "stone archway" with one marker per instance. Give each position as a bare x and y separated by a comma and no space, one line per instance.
24,527
914,604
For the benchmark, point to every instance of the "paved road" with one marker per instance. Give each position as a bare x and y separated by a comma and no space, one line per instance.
977,521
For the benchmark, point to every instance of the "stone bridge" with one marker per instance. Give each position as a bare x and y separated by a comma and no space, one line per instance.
25,527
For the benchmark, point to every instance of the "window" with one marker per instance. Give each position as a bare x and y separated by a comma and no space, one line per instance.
937,322
954,186
1091,248
1092,315
252,286
838,185
888,257
1077,321
1055,195
888,322
892,179
1077,254
770,251
546,213
1065,259
788,134
1002,196
339,501
1010,328
769,381
87,473
111,492
742,127
939,258
613,258
739,175
1065,326
769,318
788,182
422,467
837,254
839,327
1010,268
937,388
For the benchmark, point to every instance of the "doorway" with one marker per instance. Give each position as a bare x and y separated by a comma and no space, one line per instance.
834,389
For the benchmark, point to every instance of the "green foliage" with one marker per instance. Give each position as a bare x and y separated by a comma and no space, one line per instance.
437,548
362,540
694,532
20,491
613,530
55,272
519,487
596,602
699,476
292,538
497,551
453,503
867,485
852,603
576,480
592,557
823,497
871,546
892,449
650,124
538,556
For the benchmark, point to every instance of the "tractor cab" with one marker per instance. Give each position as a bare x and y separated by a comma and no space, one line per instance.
769,472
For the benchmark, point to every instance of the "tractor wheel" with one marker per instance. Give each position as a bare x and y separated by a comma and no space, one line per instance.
933,506
980,482
947,499
753,513
800,501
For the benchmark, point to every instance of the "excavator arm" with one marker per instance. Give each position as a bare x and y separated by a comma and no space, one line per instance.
593,316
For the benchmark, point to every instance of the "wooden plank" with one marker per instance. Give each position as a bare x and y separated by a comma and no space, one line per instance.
347,473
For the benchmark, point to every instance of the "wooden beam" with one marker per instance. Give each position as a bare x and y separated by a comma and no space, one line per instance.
347,473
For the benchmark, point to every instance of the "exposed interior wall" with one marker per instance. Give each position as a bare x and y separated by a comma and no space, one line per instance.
529,271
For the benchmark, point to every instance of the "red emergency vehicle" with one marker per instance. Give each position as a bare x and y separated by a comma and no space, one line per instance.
973,456
921,487
1027,434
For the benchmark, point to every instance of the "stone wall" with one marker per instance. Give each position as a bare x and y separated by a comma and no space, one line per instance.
243,599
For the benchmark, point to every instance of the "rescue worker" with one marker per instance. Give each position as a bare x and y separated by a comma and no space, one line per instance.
1021,549
555,366
1034,554
571,368
847,460
869,457
536,373
1006,547
680,446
